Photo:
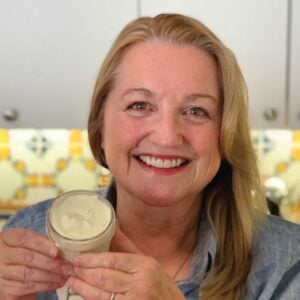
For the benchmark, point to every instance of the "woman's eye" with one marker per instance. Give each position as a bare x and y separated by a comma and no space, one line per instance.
138,106
197,112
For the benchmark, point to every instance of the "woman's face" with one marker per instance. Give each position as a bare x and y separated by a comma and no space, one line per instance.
161,123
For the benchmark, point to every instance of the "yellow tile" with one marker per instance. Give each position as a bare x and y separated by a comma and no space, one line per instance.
281,167
76,143
4,153
20,166
20,194
61,164
3,136
75,136
295,207
104,180
90,164
4,144
296,136
76,150
32,180
48,180
295,151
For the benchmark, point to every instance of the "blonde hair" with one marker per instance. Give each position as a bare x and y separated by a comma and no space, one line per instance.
233,200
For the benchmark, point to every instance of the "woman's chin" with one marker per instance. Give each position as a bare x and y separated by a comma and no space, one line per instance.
159,198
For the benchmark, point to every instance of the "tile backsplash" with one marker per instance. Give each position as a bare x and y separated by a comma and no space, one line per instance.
40,164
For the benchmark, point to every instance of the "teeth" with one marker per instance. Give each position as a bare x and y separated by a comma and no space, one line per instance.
161,163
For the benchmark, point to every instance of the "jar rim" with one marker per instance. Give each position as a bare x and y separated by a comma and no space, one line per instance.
54,232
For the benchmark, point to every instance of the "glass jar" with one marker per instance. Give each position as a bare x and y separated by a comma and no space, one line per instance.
80,221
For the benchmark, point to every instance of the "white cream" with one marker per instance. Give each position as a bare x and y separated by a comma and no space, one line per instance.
80,217
80,221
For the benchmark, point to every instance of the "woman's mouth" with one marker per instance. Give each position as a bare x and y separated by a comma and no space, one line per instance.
162,163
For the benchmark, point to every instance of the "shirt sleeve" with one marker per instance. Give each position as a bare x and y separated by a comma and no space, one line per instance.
32,217
289,285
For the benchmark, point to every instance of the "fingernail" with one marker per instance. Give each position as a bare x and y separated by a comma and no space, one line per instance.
67,269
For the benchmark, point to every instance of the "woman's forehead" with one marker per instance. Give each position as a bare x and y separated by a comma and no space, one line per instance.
168,65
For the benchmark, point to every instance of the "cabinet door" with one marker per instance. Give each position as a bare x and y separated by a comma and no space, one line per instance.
257,32
50,55
294,106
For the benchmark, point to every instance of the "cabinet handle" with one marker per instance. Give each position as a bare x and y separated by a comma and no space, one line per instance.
10,114
270,114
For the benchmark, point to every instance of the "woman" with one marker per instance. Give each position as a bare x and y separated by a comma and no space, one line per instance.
169,119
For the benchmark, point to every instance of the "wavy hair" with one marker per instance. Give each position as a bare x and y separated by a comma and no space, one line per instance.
233,200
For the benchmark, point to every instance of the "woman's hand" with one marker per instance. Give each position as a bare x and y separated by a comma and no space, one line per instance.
128,273
29,264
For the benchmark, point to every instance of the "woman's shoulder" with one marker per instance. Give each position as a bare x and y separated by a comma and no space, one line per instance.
275,269
32,217
279,234
277,239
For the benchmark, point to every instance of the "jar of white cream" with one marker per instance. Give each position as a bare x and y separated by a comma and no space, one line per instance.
80,221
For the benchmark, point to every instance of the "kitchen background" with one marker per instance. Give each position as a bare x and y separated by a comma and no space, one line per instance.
50,55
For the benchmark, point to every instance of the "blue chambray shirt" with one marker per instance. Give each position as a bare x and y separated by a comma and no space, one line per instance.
275,271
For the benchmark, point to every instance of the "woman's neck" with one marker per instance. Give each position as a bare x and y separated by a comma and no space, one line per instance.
161,232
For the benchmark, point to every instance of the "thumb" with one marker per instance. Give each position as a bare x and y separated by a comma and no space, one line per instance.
121,243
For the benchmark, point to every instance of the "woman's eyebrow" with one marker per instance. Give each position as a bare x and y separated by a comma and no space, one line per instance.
195,96
143,91
149,94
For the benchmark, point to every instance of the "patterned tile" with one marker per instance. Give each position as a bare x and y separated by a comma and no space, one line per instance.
40,164
279,156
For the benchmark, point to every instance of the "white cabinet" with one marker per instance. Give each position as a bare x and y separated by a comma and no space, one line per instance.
256,31
50,55
51,51
294,96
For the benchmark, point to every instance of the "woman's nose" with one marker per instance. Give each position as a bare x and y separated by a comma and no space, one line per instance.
166,131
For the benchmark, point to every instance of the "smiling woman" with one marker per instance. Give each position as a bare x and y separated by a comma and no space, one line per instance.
152,103
169,119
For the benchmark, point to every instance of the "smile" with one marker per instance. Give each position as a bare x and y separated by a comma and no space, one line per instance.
162,163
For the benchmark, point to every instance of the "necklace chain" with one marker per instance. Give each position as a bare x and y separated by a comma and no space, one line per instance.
182,264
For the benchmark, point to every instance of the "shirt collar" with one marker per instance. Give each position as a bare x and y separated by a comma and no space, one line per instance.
203,258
